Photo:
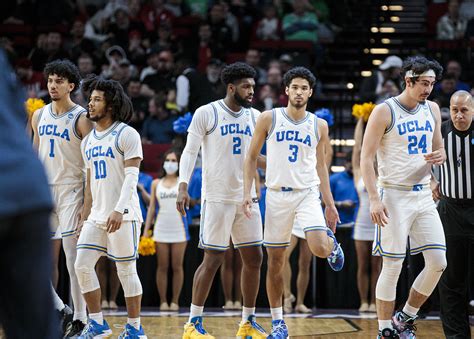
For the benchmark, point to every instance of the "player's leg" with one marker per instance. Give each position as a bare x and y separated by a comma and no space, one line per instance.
101,270
114,284
302,280
375,268
163,259
227,277
238,265
288,297
363,251
177,257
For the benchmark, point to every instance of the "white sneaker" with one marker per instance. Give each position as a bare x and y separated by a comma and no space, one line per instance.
105,305
113,305
164,307
364,307
174,307
229,305
288,304
237,305
372,308
302,309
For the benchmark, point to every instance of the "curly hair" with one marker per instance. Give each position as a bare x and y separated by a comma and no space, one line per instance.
299,72
115,97
65,69
419,64
237,71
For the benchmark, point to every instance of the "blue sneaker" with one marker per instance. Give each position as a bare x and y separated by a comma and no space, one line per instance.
94,330
405,325
336,258
131,332
279,330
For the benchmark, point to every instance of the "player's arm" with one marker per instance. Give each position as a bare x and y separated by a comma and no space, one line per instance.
358,135
262,128
332,217
34,127
151,208
87,205
84,125
438,154
379,120
328,153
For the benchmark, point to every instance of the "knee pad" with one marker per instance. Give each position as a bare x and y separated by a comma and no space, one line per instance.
435,264
127,273
86,276
386,288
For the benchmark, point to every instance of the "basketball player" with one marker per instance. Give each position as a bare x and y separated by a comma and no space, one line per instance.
58,130
296,174
224,129
405,133
112,153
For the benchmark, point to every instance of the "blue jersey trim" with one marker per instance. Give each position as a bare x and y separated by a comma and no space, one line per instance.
412,112
432,115
316,128
117,140
62,115
110,131
392,122
216,119
76,119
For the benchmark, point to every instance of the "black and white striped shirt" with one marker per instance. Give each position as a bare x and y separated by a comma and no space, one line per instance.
456,174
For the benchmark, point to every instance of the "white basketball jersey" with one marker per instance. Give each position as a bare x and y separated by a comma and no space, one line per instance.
226,140
291,151
105,153
405,142
60,146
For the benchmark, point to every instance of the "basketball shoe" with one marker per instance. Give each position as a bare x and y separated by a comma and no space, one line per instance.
388,333
405,325
336,258
131,332
194,329
279,330
251,329
94,330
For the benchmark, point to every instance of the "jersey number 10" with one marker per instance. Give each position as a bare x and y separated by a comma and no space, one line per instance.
100,169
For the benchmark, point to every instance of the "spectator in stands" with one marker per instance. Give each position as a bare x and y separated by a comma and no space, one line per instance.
230,20
154,13
442,94
221,32
161,81
252,57
206,48
152,56
136,50
50,50
78,43
371,87
267,98
187,85
274,79
198,8
300,24
33,81
344,192
158,127
164,39
86,64
286,62
389,89
139,103
268,28
451,26
454,67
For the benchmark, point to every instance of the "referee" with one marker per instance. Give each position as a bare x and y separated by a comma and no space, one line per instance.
456,208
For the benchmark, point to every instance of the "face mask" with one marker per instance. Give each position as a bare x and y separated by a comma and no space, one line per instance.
170,167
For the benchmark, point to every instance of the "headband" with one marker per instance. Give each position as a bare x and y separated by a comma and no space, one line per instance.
428,73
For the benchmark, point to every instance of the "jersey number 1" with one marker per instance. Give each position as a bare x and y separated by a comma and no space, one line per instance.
100,169
51,150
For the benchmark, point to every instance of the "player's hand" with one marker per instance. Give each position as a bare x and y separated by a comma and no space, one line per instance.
332,217
378,213
435,192
436,158
78,229
114,221
182,202
247,206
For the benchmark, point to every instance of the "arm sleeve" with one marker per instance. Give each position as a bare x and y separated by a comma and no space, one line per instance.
128,187
182,92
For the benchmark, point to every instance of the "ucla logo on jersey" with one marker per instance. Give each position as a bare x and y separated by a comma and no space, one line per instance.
55,131
293,136
414,125
99,151
235,129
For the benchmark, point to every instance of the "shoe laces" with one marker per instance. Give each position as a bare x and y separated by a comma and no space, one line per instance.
256,325
279,328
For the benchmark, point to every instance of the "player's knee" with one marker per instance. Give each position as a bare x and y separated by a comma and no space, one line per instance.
320,250
437,263
387,283
213,259
86,277
253,260
127,273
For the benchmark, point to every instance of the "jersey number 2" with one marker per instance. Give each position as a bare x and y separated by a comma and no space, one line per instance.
237,147
294,155
414,145
100,169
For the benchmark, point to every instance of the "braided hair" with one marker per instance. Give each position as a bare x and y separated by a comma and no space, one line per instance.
115,97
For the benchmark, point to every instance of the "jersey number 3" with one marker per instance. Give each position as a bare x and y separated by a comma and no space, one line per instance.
414,145
294,155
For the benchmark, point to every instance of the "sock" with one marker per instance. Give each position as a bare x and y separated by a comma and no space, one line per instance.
195,311
82,316
246,312
97,317
385,324
277,313
135,322
410,310
58,303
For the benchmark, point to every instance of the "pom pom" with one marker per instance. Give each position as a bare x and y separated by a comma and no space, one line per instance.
181,124
146,245
325,113
32,104
362,111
